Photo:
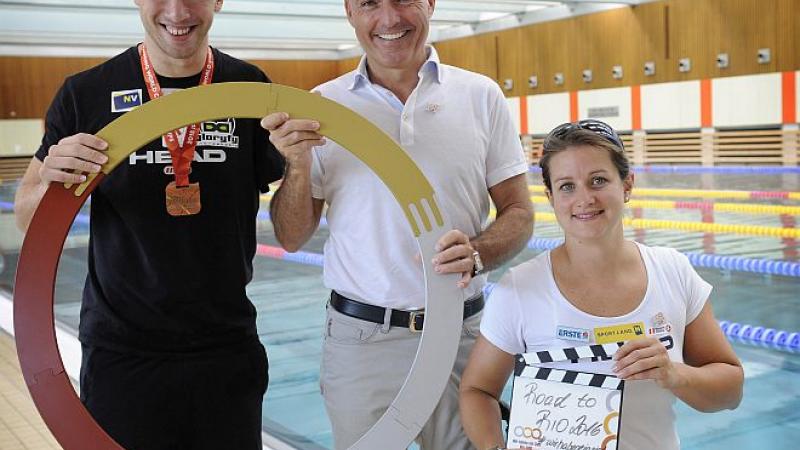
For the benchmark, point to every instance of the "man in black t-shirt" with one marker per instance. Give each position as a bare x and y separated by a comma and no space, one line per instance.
171,357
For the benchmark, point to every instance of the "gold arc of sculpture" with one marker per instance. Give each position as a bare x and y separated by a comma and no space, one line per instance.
256,100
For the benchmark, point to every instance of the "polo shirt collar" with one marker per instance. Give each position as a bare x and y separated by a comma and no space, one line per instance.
431,64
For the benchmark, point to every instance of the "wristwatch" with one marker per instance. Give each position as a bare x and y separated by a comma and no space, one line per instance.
477,267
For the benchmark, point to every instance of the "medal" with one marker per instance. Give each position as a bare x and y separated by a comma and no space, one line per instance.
182,197
183,201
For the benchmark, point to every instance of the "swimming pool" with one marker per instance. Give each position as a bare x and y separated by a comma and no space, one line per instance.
290,300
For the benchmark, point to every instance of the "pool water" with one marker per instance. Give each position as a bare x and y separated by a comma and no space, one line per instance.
290,300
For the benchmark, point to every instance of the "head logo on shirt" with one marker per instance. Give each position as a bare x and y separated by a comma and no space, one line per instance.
123,101
217,138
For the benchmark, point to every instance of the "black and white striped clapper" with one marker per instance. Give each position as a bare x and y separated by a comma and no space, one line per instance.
556,409
526,363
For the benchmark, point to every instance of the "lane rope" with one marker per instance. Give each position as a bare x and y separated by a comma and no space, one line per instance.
742,333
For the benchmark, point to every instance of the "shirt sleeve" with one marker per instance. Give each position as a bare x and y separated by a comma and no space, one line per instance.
317,169
696,289
269,162
501,323
60,120
505,158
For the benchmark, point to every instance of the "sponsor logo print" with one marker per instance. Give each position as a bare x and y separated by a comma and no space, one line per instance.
210,155
219,133
528,436
659,320
214,133
123,101
618,333
659,330
573,334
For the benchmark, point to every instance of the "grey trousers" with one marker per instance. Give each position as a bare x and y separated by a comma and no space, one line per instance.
364,365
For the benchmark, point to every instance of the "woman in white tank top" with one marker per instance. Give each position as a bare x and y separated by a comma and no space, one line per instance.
598,280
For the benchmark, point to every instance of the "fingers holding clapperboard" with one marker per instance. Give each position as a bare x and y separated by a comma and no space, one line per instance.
647,359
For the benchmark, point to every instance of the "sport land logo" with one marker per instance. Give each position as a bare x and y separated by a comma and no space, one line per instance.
619,333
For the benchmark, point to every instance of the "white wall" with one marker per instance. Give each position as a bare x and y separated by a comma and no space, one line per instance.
671,105
797,94
750,100
547,111
746,100
513,106
614,97
20,137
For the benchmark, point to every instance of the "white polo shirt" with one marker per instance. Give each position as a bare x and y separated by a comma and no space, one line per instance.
457,127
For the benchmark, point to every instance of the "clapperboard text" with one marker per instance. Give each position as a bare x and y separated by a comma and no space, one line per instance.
559,409
562,413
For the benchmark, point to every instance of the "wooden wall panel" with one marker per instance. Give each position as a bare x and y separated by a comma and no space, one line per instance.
28,84
700,30
597,42
690,26
543,52
662,32
649,32
298,73
475,53
508,60
347,65
787,18
793,25
627,37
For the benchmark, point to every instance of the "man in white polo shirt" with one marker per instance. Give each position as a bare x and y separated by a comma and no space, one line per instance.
456,125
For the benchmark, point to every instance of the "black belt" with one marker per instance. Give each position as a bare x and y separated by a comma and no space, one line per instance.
413,320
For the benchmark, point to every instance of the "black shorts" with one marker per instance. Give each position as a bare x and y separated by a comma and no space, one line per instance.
188,401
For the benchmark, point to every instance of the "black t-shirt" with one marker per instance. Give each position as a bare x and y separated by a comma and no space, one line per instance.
158,283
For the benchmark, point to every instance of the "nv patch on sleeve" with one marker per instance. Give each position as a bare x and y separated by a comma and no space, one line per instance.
122,101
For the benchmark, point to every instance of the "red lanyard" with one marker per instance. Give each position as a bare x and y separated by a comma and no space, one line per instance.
182,155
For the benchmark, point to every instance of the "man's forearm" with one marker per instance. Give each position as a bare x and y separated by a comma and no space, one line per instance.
27,199
292,209
505,237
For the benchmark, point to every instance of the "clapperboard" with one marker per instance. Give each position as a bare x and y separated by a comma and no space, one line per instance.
564,409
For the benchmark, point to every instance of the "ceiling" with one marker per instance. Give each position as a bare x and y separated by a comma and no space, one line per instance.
256,29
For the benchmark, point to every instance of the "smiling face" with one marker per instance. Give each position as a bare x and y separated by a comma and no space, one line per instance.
587,193
391,32
177,29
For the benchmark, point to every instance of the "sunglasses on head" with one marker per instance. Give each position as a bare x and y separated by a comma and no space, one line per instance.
592,125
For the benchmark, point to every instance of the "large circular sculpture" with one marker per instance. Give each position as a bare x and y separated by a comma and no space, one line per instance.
41,363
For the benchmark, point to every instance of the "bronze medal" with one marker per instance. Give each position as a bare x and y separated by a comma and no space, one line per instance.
183,201
182,197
